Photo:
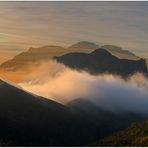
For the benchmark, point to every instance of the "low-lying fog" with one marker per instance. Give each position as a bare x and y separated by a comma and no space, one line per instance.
57,82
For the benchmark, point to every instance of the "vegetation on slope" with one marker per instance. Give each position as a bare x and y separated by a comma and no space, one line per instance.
135,135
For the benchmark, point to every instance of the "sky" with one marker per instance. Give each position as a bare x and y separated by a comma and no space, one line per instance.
34,24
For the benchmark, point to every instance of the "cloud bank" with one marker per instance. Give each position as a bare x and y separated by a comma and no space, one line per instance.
59,83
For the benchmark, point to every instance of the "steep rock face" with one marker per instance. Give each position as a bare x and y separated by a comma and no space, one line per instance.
101,61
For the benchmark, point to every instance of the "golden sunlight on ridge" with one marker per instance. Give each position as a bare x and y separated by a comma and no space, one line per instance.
5,56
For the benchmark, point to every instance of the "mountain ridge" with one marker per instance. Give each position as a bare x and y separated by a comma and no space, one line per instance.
120,53
25,118
102,61
46,52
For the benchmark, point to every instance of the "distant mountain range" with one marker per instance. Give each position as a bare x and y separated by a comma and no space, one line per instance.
35,55
83,46
30,120
31,56
102,61
4,56
120,53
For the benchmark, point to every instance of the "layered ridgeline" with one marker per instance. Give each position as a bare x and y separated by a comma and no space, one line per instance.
30,120
134,135
102,61
34,55
120,53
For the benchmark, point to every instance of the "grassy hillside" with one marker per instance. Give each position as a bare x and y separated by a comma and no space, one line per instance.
30,120
135,135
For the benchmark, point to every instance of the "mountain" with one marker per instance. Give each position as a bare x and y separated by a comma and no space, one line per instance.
37,55
120,53
102,61
134,136
83,46
114,50
27,119
32,56
31,120
4,56
24,63
105,122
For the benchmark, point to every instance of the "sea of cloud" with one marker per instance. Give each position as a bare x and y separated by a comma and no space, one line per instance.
111,92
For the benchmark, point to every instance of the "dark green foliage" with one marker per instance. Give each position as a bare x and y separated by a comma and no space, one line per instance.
135,135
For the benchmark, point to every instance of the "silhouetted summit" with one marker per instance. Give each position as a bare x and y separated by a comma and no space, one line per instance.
36,55
120,53
102,61
84,45
33,56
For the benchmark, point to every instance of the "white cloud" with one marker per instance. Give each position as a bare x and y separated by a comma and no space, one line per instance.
57,82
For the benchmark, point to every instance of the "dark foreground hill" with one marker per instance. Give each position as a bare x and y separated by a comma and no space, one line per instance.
30,120
26,119
101,61
135,135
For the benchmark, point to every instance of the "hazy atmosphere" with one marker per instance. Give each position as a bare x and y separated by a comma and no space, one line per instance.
25,24
73,73
107,91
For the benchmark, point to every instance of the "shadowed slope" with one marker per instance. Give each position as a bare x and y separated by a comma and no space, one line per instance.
120,53
135,135
23,114
27,119
31,56
101,61
30,120
36,55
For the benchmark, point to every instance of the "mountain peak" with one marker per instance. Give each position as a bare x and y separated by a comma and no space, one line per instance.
46,48
85,44
120,53
101,51
111,47
102,61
